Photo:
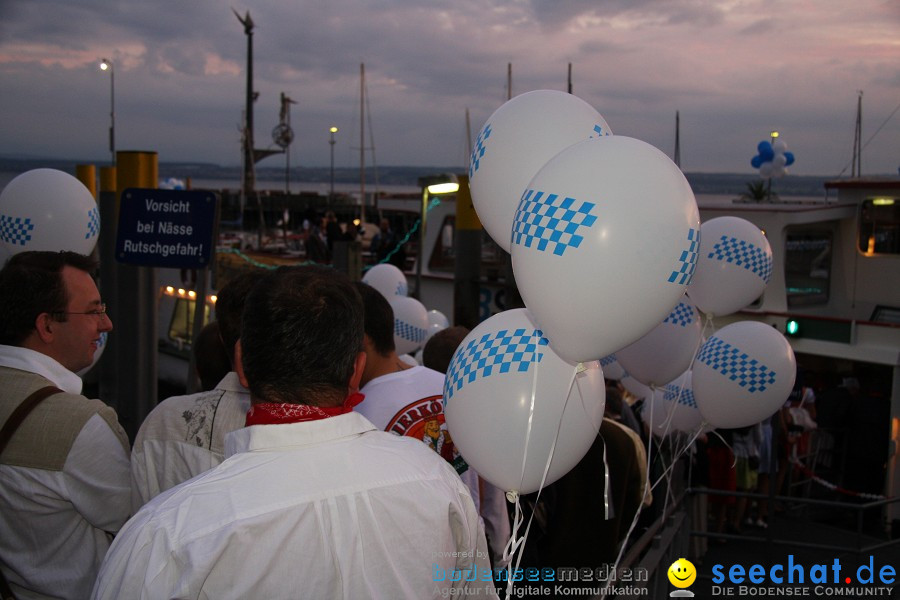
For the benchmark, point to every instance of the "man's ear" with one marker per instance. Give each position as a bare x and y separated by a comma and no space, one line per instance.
239,364
359,365
44,325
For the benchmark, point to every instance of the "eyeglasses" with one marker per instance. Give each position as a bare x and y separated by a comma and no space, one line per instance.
99,312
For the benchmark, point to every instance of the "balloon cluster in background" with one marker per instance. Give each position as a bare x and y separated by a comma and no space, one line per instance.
172,183
772,159
413,324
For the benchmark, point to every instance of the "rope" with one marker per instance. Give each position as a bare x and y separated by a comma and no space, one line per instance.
831,486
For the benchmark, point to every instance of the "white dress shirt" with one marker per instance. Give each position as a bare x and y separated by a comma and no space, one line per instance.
185,436
54,523
331,509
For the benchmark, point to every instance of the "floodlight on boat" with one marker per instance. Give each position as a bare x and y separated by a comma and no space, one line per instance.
443,184
883,202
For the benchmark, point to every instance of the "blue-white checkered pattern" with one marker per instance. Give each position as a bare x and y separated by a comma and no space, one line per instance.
409,332
743,254
675,393
607,360
501,352
598,129
736,365
401,288
93,226
683,315
545,221
478,150
15,230
688,259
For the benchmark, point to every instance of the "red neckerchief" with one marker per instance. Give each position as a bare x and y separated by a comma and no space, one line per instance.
277,413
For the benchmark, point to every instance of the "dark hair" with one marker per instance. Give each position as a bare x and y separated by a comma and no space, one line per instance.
301,332
31,284
230,306
379,318
213,362
439,348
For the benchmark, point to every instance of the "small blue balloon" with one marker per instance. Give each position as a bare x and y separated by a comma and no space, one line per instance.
789,157
765,150
756,161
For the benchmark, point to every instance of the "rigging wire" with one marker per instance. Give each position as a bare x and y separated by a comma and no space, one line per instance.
880,127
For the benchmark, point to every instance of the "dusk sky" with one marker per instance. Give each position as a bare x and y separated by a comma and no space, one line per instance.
734,69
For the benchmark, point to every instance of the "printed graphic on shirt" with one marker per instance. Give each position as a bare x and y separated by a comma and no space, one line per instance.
424,420
199,421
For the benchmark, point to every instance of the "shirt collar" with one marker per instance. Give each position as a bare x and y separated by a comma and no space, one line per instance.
232,383
269,437
25,359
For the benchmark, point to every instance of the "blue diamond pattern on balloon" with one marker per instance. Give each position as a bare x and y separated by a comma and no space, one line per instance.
401,288
15,230
409,332
683,315
688,259
736,365
598,129
493,353
93,226
546,221
478,150
743,254
675,393
607,360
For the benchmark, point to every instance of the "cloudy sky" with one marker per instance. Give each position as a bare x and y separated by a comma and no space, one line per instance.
735,70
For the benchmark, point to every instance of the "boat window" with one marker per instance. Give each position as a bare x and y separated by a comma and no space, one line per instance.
807,267
443,255
879,226
182,324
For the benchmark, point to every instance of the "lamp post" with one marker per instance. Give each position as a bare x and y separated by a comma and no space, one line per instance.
333,130
773,135
106,65
435,185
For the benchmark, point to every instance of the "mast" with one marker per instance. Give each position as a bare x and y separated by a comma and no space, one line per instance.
247,177
362,143
856,170
677,155
569,87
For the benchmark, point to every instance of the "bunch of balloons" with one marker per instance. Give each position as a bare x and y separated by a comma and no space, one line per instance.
413,324
604,235
772,159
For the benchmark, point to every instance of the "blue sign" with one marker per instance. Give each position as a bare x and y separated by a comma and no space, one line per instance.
166,228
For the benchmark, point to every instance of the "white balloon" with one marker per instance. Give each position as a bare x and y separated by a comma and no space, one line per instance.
779,147
765,169
675,408
635,387
516,141
410,323
387,279
667,350
508,397
743,374
779,161
734,268
432,329
46,209
436,317
410,360
604,244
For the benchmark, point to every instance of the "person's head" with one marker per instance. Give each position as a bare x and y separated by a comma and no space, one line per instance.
230,306
379,320
213,362
50,304
302,337
385,225
439,348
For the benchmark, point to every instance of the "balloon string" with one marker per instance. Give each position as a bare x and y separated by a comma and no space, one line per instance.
536,363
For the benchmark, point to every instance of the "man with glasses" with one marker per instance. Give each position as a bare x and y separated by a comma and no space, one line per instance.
64,473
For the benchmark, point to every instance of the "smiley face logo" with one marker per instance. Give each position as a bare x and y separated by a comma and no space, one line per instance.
682,573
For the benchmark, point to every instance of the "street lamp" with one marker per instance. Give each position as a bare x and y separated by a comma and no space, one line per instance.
434,185
106,65
774,135
332,131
